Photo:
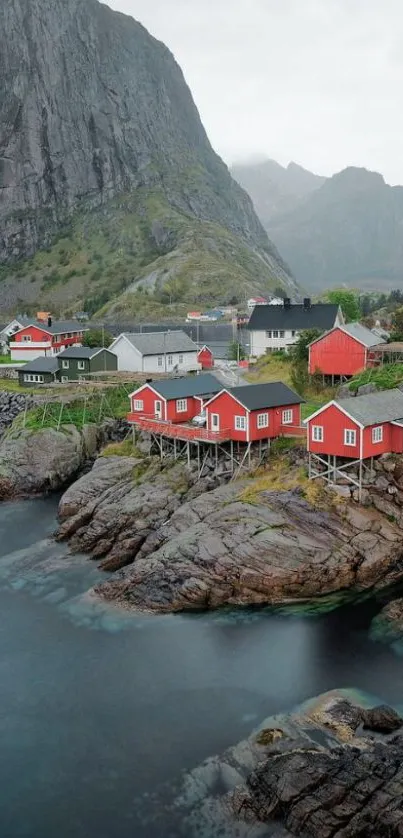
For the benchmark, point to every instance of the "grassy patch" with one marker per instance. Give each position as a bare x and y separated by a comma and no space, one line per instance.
121,449
280,475
385,378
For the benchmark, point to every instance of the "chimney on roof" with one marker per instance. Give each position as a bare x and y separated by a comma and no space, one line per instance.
307,303
287,302
49,321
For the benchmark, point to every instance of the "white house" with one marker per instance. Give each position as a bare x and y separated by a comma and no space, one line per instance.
156,352
276,328
256,301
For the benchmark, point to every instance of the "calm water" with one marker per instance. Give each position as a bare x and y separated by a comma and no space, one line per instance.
98,710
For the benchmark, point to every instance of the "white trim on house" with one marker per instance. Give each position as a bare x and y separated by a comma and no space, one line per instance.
224,390
377,431
265,423
347,433
181,405
333,404
321,435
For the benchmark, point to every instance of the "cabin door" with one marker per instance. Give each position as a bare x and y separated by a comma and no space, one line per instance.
215,422
158,409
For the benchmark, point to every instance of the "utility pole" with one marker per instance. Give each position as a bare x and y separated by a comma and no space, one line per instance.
165,353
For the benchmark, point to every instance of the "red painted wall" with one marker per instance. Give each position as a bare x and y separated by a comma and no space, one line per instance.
149,397
337,354
276,427
193,409
373,449
397,439
334,422
227,408
37,335
206,358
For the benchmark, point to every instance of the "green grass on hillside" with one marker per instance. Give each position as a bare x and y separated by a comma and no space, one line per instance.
278,367
167,258
385,378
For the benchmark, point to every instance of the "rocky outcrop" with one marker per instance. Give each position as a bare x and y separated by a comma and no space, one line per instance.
38,461
11,405
188,545
387,626
316,773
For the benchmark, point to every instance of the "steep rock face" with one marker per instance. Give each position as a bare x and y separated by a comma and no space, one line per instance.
275,189
91,106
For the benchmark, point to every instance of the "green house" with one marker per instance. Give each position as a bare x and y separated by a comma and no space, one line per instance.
79,362
42,370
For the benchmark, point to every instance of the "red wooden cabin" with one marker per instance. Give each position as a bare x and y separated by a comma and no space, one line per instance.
173,400
254,412
205,357
343,351
49,338
358,428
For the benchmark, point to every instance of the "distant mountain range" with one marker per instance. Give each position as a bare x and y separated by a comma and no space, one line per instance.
343,230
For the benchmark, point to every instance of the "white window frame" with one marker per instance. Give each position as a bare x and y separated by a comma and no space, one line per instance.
240,423
262,420
317,434
138,404
288,417
215,422
158,410
282,333
65,365
268,333
275,333
170,360
81,365
350,437
64,379
377,434
159,360
181,405
27,339
181,359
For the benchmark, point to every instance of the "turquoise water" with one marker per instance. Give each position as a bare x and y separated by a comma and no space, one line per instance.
101,708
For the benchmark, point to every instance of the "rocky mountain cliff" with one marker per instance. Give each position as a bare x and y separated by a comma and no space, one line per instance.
275,189
344,229
101,145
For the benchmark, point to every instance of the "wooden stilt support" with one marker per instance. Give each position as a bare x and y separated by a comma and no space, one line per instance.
188,453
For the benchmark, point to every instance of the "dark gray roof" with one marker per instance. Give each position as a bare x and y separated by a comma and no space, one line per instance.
158,343
58,326
318,316
82,352
374,408
41,364
274,394
191,385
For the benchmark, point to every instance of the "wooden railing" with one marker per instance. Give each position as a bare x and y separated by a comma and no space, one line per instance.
177,431
293,430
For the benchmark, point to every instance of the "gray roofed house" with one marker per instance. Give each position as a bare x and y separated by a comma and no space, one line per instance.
42,370
257,396
365,336
81,351
79,362
156,352
198,385
277,327
374,408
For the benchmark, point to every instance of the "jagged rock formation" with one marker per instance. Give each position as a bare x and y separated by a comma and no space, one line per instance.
344,229
275,189
91,108
186,545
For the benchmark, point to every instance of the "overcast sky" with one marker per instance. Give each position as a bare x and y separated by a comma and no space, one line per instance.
315,81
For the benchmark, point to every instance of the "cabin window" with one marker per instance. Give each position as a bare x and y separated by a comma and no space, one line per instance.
65,365
377,434
160,360
138,404
27,338
317,433
64,379
240,423
263,420
181,359
181,405
349,437
81,365
287,417
268,333
170,360
282,333
275,333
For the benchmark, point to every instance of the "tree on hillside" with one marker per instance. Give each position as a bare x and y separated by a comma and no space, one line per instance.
300,350
97,337
397,324
236,352
348,302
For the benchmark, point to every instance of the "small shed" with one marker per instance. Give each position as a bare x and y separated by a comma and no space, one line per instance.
175,399
256,411
78,362
41,370
205,357
343,351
